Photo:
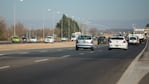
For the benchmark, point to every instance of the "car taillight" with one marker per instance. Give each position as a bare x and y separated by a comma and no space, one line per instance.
110,41
124,41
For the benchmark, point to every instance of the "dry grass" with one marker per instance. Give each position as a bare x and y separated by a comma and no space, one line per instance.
36,45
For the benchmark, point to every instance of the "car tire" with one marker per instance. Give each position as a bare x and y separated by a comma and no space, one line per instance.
77,48
125,49
109,48
92,48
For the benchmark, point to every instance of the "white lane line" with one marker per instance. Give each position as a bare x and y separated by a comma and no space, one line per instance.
42,51
66,56
92,52
24,53
41,60
59,50
1,54
81,53
70,49
4,67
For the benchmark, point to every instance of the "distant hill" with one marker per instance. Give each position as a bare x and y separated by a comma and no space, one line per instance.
118,30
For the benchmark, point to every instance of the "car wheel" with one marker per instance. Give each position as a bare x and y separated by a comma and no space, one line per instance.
77,48
109,49
92,48
125,49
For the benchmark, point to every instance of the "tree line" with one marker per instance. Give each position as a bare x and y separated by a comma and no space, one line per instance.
63,28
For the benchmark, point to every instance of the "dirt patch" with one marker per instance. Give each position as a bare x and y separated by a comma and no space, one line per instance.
36,45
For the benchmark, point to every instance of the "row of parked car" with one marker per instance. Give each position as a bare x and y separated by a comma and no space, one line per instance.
120,42
16,39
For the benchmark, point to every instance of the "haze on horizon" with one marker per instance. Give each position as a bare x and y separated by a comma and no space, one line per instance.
94,13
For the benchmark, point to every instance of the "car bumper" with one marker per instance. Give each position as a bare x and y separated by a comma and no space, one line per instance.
85,45
118,46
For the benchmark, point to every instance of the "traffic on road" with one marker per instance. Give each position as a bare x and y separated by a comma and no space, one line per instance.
66,65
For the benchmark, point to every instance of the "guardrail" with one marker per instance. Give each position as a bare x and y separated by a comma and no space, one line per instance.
5,42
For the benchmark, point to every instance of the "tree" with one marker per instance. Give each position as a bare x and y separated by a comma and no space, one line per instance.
20,30
3,30
66,26
147,25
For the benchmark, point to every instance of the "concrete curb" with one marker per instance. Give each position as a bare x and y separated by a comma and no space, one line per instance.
132,75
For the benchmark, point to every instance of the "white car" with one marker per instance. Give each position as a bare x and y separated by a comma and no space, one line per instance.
85,41
117,42
49,39
134,40
33,39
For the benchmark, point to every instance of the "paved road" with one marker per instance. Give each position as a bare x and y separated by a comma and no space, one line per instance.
65,65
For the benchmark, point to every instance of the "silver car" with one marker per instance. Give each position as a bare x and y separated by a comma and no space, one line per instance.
85,41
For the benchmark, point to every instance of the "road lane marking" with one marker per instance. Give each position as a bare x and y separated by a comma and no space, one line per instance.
69,49
41,60
4,67
24,53
42,51
1,54
92,52
66,56
59,50
81,53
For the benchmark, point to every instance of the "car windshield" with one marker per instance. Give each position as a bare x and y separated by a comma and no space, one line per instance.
116,38
49,37
132,38
15,37
84,37
33,37
101,38
73,36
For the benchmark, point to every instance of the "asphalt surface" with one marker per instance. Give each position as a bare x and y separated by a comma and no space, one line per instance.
65,65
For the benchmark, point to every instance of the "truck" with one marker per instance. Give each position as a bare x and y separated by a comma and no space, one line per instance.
139,33
75,35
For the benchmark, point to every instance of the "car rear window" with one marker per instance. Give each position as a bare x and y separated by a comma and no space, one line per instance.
15,37
132,38
116,38
84,37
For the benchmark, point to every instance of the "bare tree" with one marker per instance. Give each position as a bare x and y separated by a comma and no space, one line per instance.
19,29
3,30
93,31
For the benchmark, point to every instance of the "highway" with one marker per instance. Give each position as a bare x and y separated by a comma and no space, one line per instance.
65,65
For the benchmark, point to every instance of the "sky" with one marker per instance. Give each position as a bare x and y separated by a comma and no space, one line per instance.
94,13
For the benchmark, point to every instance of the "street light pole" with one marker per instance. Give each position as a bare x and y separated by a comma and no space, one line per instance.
53,17
62,29
43,24
68,30
14,17
53,20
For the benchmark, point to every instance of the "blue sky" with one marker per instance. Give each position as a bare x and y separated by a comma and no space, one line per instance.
96,13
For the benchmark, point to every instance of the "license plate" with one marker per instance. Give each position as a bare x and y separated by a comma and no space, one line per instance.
117,45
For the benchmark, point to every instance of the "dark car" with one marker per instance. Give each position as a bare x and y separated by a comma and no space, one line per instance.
101,40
